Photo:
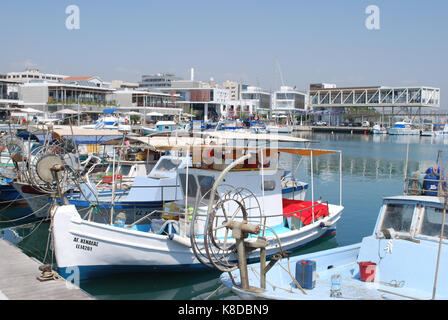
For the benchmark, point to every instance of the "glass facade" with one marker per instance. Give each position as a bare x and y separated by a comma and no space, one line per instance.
290,100
161,80
68,95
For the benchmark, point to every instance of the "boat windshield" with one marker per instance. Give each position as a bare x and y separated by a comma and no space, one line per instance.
398,217
169,165
432,222
124,169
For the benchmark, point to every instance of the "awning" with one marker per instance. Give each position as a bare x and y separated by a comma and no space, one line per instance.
66,111
297,151
253,136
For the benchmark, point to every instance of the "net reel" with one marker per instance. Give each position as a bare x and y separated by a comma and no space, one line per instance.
11,145
211,232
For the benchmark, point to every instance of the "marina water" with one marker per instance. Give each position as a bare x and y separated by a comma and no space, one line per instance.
373,167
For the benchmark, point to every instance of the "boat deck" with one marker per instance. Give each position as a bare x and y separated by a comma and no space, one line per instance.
18,279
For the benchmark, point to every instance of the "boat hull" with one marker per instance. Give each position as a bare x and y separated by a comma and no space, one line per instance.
94,249
403,131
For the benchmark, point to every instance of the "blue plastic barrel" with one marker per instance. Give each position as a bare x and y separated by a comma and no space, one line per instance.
305,273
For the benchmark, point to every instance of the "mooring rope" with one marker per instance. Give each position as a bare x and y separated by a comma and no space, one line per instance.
28,215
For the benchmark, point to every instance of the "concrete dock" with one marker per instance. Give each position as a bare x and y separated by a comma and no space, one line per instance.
18,279
361,130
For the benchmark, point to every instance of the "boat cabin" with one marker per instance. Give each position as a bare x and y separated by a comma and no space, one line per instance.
164,126
405,244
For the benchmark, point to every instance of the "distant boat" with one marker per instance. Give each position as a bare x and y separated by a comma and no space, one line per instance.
165,126
403,128
278,129
379,129
441,129
434,129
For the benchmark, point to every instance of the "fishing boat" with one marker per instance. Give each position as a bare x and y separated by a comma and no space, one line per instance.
403,258
7,191
172,238
165,126
379,129
441,129
278,129
403,128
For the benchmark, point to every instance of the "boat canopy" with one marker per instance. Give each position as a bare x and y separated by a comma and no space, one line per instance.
297,151
253,136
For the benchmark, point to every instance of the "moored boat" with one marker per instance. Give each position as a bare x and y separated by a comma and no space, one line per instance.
168,239
403,258
403,128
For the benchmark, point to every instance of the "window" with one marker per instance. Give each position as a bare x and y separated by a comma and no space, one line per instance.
398,217
269,185
432,222
206,183
124,170
192,185
169,165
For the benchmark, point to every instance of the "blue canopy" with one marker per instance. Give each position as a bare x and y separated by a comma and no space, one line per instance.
109,110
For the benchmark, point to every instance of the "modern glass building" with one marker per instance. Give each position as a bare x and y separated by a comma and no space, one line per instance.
158,80
289,100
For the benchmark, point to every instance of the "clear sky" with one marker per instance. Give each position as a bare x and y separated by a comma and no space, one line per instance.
313,41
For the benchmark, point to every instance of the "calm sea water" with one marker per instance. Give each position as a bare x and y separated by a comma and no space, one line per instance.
372,167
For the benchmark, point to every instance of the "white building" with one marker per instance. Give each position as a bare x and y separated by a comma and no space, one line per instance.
289,100
33,74
253,100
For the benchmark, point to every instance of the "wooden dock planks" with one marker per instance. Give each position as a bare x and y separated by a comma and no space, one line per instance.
18,281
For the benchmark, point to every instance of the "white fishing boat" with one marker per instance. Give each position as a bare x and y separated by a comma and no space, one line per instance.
169,239
379,129
403,128
278,129
166,126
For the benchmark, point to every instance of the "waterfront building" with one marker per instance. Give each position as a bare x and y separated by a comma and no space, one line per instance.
50,97
235,89
253,101
176,84
146,102
34,74
119,84
205,103
288,100
86,81
158,80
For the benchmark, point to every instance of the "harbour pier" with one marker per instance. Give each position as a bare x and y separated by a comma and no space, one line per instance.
18,279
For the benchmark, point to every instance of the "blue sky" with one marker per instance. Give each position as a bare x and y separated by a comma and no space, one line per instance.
313,41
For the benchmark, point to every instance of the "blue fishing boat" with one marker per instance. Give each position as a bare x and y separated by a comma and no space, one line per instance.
404,257
7,191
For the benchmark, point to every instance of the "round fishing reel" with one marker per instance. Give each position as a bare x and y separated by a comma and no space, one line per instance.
210,230
40,172
9,146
